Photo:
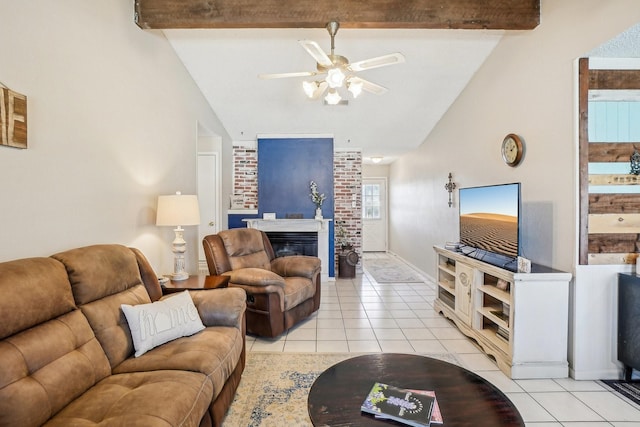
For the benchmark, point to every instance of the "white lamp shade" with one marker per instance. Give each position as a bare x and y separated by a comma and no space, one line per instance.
335,78
309,88
333,97
178,209
355,87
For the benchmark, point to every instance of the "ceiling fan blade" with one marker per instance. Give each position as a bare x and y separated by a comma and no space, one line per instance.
284,75
371,87
316,52
380,61
322,86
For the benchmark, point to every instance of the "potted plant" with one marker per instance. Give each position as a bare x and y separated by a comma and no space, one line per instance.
317,198
342,238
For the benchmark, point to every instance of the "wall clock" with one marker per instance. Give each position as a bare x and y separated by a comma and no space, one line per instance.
512,149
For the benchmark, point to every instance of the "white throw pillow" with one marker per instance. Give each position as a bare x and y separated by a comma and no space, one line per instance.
162,321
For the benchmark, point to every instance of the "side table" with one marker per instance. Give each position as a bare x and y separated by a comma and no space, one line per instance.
196,282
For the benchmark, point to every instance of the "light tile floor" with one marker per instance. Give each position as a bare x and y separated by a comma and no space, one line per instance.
362,316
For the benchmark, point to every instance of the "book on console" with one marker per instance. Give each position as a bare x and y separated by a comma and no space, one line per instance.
410,407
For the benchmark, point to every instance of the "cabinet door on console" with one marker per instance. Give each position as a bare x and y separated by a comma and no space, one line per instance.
464,280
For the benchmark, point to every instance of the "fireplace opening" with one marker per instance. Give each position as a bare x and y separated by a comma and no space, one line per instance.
289,243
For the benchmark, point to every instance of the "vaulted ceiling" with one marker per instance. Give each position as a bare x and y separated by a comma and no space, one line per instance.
225,44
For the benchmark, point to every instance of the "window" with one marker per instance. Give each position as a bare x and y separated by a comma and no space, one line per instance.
371,201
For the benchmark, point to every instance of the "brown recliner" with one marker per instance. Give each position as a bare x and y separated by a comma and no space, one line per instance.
280,291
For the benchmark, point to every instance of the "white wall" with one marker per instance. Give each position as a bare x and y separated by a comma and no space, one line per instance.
112,121
526,86
375,171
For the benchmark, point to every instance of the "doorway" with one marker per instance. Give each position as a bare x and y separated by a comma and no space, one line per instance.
374,215
209,192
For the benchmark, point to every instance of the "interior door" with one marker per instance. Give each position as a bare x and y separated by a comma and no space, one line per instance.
208,198
374,215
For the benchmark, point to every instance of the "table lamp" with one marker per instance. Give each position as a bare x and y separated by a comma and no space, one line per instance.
178,210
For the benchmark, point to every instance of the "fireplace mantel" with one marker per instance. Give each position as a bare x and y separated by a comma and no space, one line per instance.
321,226
288,224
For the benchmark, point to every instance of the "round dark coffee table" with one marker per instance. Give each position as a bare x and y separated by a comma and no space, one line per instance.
465,399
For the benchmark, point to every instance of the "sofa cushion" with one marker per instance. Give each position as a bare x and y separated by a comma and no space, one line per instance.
297,290
297,265
143,399
99,271
214,352
33,291
222,307
48,353
254,277
103,277
148,275
46,367
110,324
245,248
162,321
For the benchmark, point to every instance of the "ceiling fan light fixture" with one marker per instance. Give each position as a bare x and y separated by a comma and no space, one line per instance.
309,88
333,97
337,72
355,87
335,78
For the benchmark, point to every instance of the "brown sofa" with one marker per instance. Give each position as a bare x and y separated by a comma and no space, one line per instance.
66,352
280,291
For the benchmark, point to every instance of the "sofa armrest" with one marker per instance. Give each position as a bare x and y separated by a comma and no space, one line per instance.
254,277
299,265
221,307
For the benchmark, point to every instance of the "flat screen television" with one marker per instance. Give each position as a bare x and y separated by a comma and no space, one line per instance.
490,223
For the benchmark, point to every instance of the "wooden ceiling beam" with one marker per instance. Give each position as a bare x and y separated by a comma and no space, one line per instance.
408,14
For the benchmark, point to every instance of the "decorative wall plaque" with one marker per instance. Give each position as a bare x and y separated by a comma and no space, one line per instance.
13,118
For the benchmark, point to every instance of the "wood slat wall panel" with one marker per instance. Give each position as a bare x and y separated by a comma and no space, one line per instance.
614,203
611,152
614,179
609,259
583,156
614,243
443,14
614,223
609,223
614,79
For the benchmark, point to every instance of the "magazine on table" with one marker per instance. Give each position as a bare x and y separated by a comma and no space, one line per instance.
411,407
436,415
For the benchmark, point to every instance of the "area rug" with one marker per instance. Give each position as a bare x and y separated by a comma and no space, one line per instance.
388,269
274,387
627,389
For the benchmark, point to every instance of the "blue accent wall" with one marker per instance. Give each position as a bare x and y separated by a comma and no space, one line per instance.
286,166
236,220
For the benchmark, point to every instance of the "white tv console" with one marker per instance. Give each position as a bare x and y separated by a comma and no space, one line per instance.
520,319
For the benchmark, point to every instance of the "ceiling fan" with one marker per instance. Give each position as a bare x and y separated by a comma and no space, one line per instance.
337,71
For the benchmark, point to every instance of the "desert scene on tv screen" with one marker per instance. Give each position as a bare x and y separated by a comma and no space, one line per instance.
490,232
